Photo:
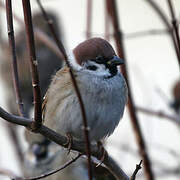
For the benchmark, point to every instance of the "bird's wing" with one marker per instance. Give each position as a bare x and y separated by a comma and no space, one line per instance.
62,84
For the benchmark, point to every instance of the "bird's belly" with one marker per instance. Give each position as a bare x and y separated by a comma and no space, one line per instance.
102,118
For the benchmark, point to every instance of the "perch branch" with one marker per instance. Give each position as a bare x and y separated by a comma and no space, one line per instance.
33,65
62,49
111,8
109,163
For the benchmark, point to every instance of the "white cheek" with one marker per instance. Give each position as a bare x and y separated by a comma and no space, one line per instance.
73,62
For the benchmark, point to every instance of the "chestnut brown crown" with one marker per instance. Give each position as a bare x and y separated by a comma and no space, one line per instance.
92,48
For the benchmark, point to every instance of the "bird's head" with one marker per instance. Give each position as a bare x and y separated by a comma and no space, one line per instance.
97,55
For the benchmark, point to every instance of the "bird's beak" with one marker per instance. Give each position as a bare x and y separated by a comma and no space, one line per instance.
115,61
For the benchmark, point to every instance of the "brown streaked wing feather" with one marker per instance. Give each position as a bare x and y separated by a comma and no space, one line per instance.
65,81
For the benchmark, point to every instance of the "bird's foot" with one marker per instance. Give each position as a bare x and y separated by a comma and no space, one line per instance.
69,142
102,151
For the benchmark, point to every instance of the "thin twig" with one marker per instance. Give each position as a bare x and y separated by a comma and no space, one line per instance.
138,167
175,119
164,19
51,172
14,59
111,8
33,65
174,23
109,163
89,19
62,49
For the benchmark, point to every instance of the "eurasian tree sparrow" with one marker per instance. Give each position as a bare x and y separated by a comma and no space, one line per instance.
102,87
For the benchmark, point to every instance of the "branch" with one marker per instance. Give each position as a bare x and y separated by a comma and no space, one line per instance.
164,19
175,119
33,65
89,19
7,172
109,163
39,34
62,49
53,171
111,8
14,58
107,35
174,23
138,167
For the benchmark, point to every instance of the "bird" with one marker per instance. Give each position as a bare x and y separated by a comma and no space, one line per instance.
102,87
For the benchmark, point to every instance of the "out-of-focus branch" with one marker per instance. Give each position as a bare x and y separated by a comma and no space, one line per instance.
8,173
164,19
175,119
174,23
39,34
146,33
109,163
111,8
107,23
33,65
89,19
83,112
53,171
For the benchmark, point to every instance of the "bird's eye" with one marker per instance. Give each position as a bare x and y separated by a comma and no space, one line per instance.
93,68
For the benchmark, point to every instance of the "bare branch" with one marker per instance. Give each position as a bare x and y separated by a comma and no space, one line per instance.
164,19
33,65
174,23
62,49
175,119
89,19
111,8
51,172
14,59
109,163
138,167
107,35
8,173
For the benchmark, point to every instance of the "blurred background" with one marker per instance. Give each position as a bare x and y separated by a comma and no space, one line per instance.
153,71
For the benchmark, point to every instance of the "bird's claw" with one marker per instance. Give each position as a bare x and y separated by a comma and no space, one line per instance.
69,142
104,153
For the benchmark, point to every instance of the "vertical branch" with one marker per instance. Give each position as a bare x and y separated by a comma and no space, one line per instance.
33,64
111,8
174,23
62,50
106,17
89,19
12,128
14,59
163,17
